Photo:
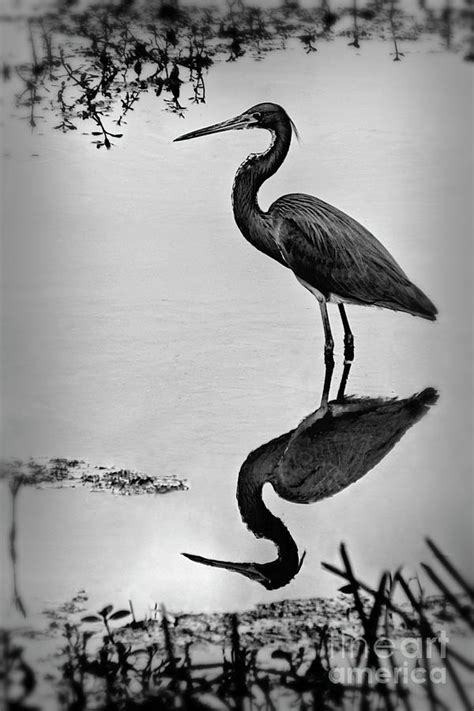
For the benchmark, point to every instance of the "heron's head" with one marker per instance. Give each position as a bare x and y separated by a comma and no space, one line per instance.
272,576
268,116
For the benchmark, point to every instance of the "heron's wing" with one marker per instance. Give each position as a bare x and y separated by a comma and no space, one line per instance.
335,254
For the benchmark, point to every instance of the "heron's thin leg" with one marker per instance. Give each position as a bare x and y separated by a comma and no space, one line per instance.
328,340
348,337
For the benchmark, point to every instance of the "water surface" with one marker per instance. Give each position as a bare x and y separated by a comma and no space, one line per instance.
141,330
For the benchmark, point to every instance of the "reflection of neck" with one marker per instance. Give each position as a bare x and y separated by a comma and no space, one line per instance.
255,471
308,422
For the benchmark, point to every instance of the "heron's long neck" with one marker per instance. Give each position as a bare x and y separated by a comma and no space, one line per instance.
249,178
255,471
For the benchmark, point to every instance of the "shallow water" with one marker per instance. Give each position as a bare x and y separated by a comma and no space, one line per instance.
141,330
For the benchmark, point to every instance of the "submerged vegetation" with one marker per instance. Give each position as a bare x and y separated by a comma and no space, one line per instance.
91,65
381,648
70,472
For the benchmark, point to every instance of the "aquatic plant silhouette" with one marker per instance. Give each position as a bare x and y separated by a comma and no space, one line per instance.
414,619
107,615
331,448
93,64
153,664
18,678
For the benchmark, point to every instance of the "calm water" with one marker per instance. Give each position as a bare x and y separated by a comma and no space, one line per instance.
141,330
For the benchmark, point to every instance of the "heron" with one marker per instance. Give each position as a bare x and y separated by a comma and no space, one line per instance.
330,253
331,448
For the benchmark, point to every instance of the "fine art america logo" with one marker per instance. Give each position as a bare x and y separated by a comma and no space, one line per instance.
404,661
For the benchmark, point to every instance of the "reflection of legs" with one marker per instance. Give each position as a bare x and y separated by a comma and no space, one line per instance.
328,354
348,352
328,340
348,337
327,383
343,383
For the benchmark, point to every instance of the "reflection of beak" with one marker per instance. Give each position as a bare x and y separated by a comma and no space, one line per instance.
241,121
301,562
250,570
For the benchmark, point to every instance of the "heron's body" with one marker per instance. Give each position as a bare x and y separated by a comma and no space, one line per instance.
330,253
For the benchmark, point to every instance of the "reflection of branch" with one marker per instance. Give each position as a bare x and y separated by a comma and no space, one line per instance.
446,17
51,60
469,57
15,485
392,28
89,95
65,109
197,60
33,99
127,104
355,42
103,131
36,66
307,39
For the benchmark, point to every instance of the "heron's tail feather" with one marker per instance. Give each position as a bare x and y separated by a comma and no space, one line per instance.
411,300
425,307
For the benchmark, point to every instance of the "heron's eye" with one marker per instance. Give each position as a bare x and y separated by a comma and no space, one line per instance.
257,116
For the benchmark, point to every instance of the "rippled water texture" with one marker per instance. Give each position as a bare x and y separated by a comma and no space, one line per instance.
141,330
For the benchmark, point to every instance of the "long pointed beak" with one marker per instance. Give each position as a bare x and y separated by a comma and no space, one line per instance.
236,123
247,569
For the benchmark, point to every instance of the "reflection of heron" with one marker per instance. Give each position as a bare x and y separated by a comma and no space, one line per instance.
333,447
330,253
